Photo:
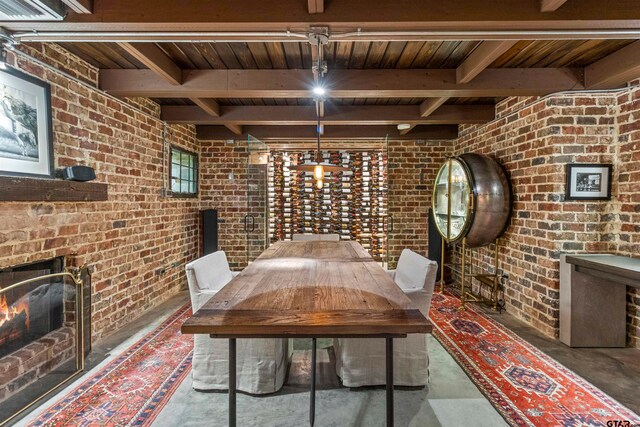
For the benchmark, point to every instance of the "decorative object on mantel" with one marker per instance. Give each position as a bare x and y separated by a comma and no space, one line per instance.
472,205
588,181
26,146
78,173
26,189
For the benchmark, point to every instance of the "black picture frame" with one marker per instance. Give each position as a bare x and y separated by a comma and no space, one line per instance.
588,181
26,141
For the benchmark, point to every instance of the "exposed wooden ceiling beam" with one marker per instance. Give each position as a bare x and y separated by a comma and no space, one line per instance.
614,70
330,132
389,83
156,60
161,64
551,5
334,115
210,106
79,6
481,57
430,105
260,15
235,129
315,6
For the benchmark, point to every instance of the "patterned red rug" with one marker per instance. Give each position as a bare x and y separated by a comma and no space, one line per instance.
525,385
132,389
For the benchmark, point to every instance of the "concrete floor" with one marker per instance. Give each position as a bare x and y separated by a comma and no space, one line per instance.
450,400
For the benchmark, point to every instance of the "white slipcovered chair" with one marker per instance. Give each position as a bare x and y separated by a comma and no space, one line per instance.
261,363
315,237
361,361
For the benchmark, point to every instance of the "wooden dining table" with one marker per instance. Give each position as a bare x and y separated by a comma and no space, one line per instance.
310,289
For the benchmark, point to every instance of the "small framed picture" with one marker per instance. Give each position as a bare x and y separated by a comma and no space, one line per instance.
588,182
26,146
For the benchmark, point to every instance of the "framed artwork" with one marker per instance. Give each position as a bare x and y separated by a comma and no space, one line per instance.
26,146
588,182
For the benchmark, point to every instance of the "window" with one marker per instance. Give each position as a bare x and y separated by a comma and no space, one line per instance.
184,173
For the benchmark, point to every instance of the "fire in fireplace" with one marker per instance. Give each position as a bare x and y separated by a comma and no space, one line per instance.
31,312
14,320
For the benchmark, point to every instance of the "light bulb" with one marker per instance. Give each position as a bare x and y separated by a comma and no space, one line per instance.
318,172
319,90
319,184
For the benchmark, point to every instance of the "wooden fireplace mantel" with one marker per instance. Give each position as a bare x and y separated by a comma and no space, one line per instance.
27,189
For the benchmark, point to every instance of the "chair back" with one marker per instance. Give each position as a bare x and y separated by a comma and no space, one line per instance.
207,274
414,270
416,273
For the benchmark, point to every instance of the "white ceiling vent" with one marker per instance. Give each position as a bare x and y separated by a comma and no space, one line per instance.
31,10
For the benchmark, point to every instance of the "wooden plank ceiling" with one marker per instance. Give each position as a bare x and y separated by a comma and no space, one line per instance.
397,73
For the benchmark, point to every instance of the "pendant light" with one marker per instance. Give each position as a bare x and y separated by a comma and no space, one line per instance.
318,168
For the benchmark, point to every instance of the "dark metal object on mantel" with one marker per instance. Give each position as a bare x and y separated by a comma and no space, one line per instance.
492,199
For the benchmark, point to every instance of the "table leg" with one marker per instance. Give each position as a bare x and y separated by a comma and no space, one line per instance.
389,382
312,404
232,382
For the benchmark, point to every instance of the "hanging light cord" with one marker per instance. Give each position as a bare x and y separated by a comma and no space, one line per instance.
319,76
318,156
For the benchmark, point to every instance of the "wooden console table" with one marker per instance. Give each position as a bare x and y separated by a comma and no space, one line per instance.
593,306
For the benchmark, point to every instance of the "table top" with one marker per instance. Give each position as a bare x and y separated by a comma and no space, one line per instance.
310,289
613,264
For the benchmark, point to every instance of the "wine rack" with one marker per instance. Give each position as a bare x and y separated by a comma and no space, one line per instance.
352,203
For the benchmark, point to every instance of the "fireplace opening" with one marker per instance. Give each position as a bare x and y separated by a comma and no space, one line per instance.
42,312
29,312
30,317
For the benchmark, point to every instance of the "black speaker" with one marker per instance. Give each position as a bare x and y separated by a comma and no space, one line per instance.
78,173
209,231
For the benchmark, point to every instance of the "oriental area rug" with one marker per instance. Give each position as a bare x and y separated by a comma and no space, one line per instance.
525,385
132,389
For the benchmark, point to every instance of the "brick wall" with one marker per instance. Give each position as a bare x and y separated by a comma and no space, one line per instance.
137,242
218,190
130,239
411,172
627,212
534,138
